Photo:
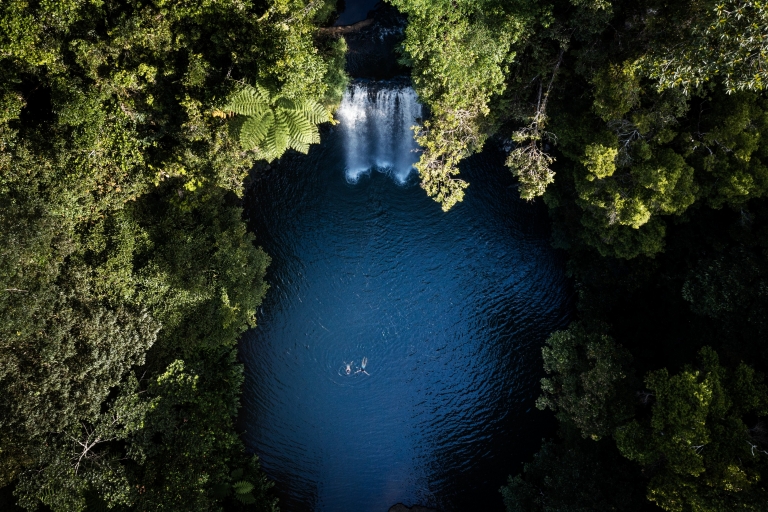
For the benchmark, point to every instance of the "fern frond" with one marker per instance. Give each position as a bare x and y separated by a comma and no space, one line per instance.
278,136
313,111
242,487
246,499
301,147
249,101
299,127
255,129
286,104
267,153
314,136
310,137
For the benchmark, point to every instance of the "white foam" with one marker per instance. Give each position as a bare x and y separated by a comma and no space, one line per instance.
376,126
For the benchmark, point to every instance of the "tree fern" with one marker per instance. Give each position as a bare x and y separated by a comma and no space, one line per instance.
243,492
274,123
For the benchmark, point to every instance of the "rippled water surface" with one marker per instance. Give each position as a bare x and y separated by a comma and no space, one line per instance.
449,309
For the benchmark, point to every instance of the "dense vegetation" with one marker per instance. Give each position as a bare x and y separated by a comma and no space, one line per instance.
128,128
127,272
641,124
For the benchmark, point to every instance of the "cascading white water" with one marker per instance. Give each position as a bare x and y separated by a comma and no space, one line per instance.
376,126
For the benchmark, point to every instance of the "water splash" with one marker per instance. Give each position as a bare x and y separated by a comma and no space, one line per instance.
376,123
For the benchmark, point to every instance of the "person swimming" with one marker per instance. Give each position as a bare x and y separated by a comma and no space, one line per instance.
348,367
362,366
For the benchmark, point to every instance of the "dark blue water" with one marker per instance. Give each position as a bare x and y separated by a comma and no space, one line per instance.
450,310
355,10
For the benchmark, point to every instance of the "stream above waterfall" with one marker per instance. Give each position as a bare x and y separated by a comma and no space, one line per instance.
449,311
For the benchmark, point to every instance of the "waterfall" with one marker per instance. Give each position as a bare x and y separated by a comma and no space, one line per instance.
376,126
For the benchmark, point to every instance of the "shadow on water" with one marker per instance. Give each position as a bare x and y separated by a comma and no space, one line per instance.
449,310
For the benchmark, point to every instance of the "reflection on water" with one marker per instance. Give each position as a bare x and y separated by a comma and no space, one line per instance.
444,313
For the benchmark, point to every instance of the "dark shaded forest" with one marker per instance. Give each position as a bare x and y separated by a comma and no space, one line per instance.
127,132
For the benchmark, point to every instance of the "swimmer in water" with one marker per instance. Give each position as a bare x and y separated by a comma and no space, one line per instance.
362,366
348,367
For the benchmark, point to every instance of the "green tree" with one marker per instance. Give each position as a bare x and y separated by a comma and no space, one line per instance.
73,335
121,247
589,385
721,39
177,431
576,476
636,154
459,52
703,453
85,460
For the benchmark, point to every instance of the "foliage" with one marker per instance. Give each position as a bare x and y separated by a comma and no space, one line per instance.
730,283
529,160
725,39
243,493
655,123
530,163
732,151
335,52
202,281
204,276
636,151
575,477
588,384
652,165
666,157
706,458
178,434
273,123
459,52
196,273
123,251
84,459
617,90
74,334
